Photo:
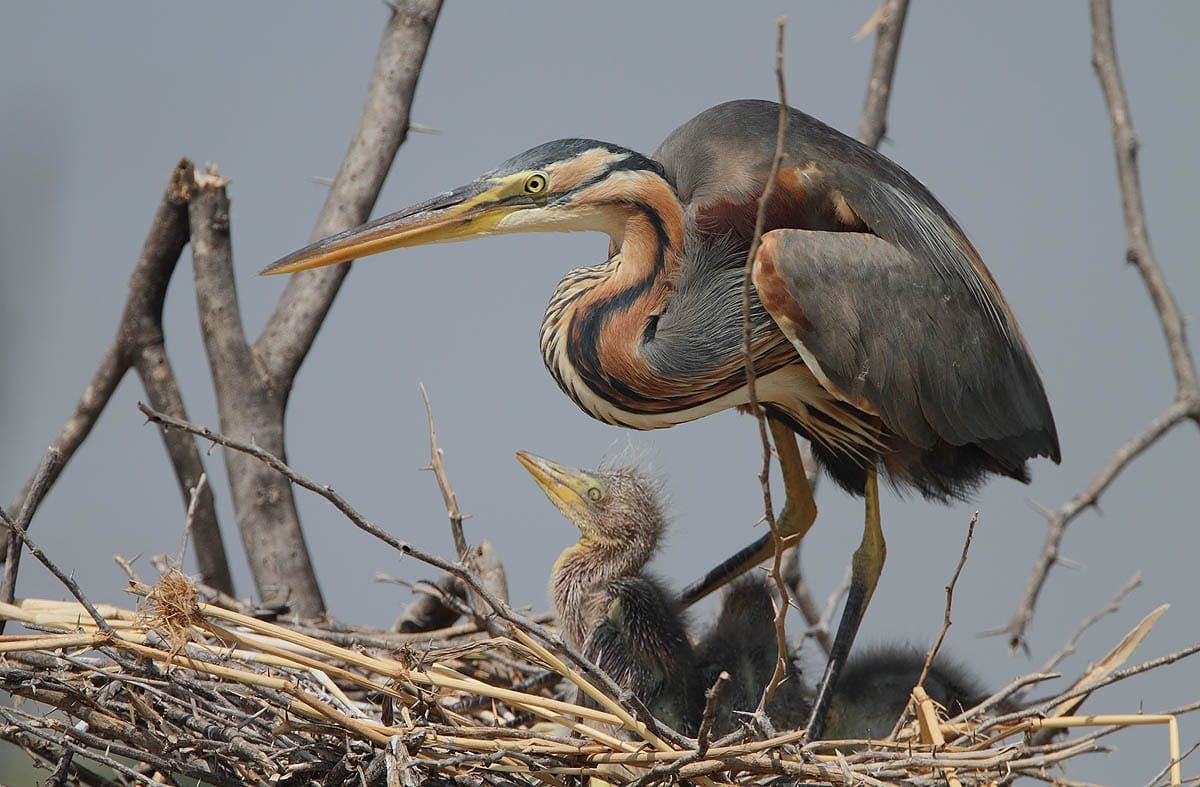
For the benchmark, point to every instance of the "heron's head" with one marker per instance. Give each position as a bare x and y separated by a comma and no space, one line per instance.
617,510
561,186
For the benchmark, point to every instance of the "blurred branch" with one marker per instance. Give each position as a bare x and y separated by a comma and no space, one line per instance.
382,128
1186,405
139,343
888,22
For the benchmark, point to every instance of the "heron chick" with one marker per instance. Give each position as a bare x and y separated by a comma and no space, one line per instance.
635,629
625,621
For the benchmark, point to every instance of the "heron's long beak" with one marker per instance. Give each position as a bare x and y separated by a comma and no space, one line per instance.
468,211
565,486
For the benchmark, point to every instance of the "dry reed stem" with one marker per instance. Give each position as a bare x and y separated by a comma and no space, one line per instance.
316,689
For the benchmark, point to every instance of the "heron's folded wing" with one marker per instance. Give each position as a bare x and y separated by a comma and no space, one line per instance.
892,335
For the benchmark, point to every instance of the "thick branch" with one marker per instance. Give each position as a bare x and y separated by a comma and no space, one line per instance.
889,21
1187,398
250,408
383,127
139,342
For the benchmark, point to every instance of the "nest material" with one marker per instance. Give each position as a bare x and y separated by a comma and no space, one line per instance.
193,690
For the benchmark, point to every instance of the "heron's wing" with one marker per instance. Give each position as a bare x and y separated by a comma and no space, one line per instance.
642,644
887,334
830,183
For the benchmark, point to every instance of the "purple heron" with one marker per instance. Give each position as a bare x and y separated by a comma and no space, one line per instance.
877,332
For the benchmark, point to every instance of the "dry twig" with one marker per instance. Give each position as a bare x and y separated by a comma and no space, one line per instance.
1186,405
962,561
443,482
764,473
519,624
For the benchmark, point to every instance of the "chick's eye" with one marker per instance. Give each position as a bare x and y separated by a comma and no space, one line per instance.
595,494
535,183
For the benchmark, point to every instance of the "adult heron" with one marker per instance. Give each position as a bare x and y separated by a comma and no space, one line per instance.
876,330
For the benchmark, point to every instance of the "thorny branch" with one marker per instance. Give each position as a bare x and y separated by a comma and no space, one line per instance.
888,24
1186,405
139,344
764,474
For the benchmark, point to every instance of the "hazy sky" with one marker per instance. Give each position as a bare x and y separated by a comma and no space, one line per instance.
995,108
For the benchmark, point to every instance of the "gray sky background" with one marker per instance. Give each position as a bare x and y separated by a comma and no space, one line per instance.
995,108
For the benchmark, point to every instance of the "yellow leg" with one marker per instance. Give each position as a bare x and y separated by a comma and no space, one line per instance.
794,521
866,567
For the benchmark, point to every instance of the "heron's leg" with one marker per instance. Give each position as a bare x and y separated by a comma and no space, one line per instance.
865,570
798,514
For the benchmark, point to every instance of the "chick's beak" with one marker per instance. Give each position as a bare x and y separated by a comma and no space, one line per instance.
565,486
468,211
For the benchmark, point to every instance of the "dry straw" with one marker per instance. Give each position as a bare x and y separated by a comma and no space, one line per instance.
204,692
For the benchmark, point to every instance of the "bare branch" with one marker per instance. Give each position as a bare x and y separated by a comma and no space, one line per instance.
382,128
764,473
712,696
139,342
937,643
439,471
962,561
251,407
1139,253
889,23
253,382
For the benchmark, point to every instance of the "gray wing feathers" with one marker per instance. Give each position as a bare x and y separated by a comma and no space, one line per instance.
701,327
912,344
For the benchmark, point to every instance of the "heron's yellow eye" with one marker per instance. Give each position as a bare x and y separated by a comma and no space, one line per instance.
535,183
595,494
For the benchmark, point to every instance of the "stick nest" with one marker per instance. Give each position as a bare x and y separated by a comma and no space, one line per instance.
195,691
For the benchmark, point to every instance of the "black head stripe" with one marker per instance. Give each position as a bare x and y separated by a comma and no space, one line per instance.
542,156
